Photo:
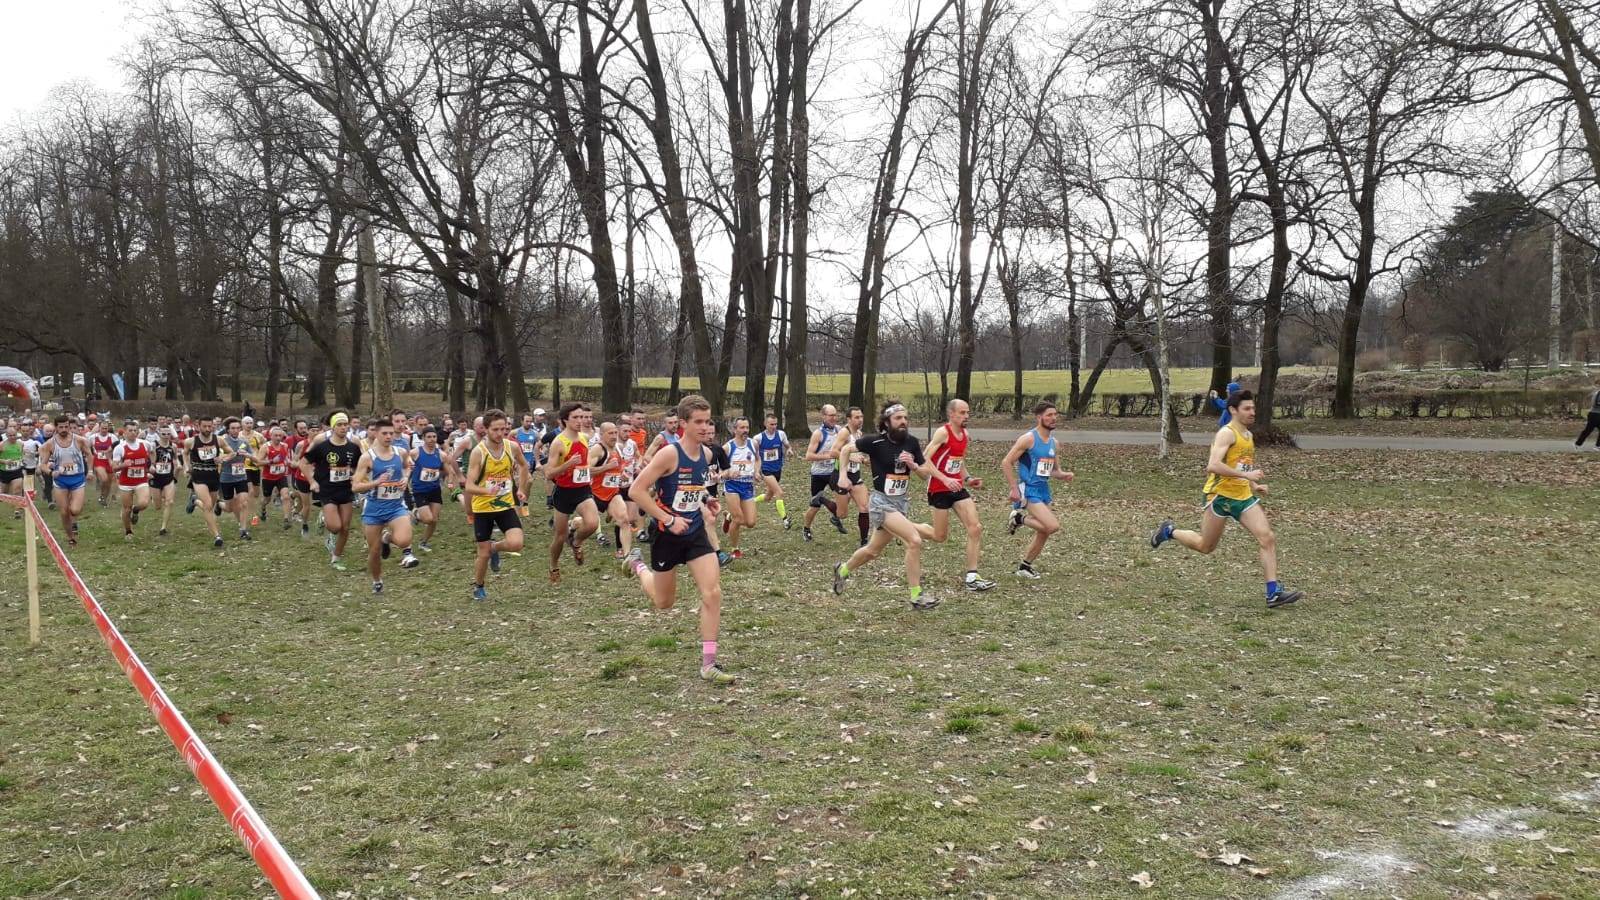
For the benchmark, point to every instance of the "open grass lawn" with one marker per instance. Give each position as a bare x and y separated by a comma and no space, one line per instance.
1034,381
1426,723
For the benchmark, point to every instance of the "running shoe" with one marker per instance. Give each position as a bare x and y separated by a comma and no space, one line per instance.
838,579
494,561
738,554
1014,522
787,524
127,537
217,543
636,555
727,522
555,576
377,587
383,547
806,533
978,583
1026,571
337,564
305,531
714,674
426,547
193,501
161,533
407,560
925,602
102,501
1162,535
1283,598
72,540
134,517
478,593
724,558
244,534
330,542
837,523
643,537
602,538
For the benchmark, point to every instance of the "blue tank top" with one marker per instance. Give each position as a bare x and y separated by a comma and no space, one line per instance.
825,466
1039,462
682,491
428,471
528,439
387,500
772,450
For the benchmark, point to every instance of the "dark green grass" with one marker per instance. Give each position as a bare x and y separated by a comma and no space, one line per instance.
1136,711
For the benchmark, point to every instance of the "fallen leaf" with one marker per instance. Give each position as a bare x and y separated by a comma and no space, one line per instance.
1232,859
224,718
1027,845
1258,871
1040,824
1143,880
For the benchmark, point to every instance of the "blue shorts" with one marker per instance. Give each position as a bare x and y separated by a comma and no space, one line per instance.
70,482
1036,493
744,490
382,512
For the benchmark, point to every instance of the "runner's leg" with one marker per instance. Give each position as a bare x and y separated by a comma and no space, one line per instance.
1206,539
1254,521
909,534
967,512
1042,519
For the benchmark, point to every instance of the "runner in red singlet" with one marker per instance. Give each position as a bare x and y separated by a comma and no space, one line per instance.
947,450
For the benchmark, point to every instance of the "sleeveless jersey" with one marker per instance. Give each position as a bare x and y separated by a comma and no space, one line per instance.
67,462
741,460
825,466
102,445
496,476
578,476
684,489
203,455
11,457
1241,456
427,471
610,483
1039,462
386,500
773,448
236,453
137,455
950,458
528,440
254,441
163,459
277,463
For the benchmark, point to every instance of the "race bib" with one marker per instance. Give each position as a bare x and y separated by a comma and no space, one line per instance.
498,487
339,474
10,465
136,473
277,469
163,468
1044,467
581,475
688,498
895,485
427,475
391,491
612,480
952,465
236,469
854,468
206,453
102,454
528,447
770,455
70,468
744,468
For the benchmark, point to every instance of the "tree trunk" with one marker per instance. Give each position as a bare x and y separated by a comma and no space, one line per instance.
377,317
358,336
455,351
1219,223
800,235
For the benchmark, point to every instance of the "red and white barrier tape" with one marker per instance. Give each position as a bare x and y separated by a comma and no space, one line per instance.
242,817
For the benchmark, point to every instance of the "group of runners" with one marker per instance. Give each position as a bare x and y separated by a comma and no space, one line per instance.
680,492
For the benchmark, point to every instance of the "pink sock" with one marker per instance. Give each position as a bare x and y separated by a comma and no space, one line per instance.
708,653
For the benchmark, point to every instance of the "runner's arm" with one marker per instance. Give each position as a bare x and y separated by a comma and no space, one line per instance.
117,465
1219,451
1008,465
814,450
845,449
640,492
471,487
360,482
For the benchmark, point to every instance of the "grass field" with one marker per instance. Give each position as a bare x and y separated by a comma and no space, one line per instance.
1034,381
1424,724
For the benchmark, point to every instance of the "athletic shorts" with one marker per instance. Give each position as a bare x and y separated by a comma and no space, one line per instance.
879,505
669,551
1228,508
744,490
419,499
948,499
70,482
253,476
568,499
160,482
130,488
771,473
270,487
855,479
1036,493
302,487
102,464
205,479
9,475
232,489
336,495
371,514
820,483
484,524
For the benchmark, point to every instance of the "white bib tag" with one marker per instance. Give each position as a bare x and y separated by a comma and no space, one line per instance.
688,498
1044,467
895,485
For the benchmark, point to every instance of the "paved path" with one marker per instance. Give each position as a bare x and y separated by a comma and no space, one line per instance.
1308,441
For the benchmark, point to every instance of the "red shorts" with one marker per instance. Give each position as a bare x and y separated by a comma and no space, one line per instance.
102,463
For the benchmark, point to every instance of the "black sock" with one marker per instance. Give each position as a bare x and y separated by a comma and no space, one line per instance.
616,533
861,524
1025,565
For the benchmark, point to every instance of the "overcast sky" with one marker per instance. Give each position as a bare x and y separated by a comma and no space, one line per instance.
44,44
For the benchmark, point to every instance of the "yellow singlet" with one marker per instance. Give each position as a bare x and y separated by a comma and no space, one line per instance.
496,476
1241,456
